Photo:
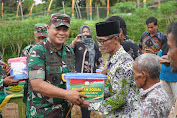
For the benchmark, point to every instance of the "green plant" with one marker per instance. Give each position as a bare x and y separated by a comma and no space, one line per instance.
124,7
15,35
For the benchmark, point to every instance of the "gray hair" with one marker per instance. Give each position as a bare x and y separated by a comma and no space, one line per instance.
150,63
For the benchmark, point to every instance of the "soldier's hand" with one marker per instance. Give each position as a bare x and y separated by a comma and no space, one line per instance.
10,82
84,104
74,96
6,68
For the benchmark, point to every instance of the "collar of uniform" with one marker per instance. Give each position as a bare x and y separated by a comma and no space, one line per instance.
145,92
61,52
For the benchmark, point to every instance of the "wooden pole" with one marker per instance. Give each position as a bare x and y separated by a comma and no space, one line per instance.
21,9
2,9
18,8
107,8
73,1
145,3
97,12
138,3
32,9
90,9
79,11
49,7
159,4
63,3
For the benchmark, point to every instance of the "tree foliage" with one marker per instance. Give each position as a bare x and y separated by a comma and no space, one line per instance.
123,7
10,6
15,35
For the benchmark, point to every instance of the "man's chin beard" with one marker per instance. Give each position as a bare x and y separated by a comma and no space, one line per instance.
173,69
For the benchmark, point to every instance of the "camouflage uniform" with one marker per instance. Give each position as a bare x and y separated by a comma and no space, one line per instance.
25,53
2,74
40,30
26,50
45,62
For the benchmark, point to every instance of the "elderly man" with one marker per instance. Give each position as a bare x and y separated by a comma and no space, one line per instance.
172,54
167,77
121,99
155,101
172,44
48,97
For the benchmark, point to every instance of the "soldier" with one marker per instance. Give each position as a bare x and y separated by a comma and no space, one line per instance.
46,63
39,34
4,79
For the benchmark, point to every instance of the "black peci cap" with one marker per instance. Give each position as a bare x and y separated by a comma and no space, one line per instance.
107,28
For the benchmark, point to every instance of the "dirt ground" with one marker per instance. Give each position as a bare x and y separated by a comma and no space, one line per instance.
76,113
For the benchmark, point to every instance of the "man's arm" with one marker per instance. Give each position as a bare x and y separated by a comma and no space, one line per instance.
77,39
36,68
8,81
120,89
47,89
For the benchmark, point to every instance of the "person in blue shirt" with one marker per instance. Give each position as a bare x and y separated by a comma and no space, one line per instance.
167,77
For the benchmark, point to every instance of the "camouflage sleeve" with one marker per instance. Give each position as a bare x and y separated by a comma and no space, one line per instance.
36,62
1,84
25,51
1,72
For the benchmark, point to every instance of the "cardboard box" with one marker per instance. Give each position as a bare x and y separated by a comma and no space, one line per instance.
93,84
18,67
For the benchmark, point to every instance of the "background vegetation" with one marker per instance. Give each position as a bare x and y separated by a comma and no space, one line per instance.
15,35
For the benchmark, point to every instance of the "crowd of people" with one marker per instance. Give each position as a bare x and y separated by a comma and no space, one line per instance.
142,78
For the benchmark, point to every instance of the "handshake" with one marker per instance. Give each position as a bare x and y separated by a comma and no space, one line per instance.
77,98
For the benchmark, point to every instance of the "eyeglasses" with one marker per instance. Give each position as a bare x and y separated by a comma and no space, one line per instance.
101,41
